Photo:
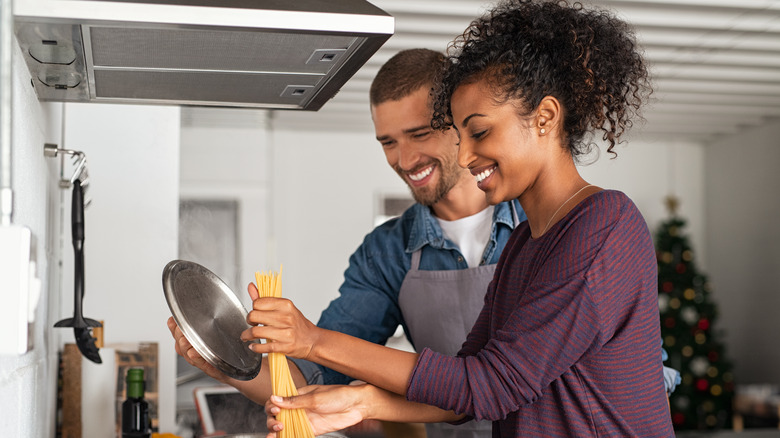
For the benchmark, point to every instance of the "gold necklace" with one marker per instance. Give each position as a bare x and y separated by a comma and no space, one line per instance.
564,203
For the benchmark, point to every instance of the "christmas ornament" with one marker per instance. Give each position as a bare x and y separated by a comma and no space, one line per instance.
663,303
699,365
689,315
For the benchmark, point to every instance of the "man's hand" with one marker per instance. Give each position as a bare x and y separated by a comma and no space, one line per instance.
185,350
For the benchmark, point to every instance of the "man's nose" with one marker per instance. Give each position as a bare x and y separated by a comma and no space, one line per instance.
408,155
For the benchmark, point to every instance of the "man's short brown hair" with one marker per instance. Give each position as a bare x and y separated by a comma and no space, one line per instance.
405,73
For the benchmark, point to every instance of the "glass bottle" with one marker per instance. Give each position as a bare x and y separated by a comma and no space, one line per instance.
135,410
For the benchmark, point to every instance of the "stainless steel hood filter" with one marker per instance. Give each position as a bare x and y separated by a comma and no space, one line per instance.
237,53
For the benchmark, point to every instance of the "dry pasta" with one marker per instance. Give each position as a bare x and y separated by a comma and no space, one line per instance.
296,423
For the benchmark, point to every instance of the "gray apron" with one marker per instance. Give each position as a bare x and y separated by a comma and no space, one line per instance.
440,308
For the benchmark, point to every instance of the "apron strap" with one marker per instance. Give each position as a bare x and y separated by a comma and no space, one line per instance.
416,260
417,254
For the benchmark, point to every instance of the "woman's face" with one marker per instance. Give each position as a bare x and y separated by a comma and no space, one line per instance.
497,145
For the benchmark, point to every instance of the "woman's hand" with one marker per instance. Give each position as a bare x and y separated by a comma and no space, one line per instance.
329,407
185,350
281,324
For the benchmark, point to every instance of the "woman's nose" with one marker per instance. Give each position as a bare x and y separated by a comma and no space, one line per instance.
465,155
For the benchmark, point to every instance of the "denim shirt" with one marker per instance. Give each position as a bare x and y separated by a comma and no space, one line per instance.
368,307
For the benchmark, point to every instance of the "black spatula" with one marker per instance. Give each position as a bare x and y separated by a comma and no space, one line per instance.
81,326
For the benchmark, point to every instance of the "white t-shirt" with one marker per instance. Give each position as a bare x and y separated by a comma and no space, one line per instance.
470,233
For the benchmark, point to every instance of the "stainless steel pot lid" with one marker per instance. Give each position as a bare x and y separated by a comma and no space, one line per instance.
211,317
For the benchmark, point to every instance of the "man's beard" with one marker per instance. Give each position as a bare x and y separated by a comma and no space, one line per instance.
430,195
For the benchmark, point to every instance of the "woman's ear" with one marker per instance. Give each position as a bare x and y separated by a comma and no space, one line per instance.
548,115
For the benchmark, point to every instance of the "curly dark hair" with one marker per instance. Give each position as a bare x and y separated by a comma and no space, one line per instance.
528,49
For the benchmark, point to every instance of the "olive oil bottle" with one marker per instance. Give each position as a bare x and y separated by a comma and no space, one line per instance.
135,410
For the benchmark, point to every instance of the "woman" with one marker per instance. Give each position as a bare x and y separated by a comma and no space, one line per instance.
567,341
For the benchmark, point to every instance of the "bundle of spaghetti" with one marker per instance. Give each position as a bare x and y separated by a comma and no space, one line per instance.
296,422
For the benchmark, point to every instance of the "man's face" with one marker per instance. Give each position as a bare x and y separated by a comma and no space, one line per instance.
426,159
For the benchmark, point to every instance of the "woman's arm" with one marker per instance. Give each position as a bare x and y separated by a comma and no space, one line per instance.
287,331
335,407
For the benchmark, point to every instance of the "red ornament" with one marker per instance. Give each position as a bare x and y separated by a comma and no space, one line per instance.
702,384
678,418
669,322
713,356
681,268
668,286
704,324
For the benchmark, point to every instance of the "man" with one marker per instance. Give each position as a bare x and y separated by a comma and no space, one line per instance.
426,270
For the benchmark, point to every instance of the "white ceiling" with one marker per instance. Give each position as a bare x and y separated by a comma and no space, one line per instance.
715,63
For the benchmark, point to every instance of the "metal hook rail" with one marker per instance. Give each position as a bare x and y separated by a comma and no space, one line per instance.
80,171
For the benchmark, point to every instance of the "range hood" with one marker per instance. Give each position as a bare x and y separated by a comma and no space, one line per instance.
288,54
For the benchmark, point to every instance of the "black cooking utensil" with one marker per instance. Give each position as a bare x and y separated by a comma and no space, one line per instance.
81,326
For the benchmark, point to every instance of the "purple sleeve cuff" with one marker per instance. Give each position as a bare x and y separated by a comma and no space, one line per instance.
438,380
421,379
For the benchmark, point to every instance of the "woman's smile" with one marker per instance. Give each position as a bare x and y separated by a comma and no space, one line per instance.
482,176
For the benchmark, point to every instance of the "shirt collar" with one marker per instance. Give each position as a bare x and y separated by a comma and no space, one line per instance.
425,229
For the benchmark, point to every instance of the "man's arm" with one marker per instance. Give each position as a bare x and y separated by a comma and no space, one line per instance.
257,389
366,308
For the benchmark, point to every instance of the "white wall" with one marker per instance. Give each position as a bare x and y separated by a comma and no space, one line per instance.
232,164
131,226
743,206
28,383
325,188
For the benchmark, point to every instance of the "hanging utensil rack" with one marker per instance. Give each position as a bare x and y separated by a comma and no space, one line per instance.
82,327
80,170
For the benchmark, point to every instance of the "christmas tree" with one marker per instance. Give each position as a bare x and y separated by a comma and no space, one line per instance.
688,313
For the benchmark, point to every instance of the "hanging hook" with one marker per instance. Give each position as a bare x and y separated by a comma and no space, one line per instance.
80,171
79,161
